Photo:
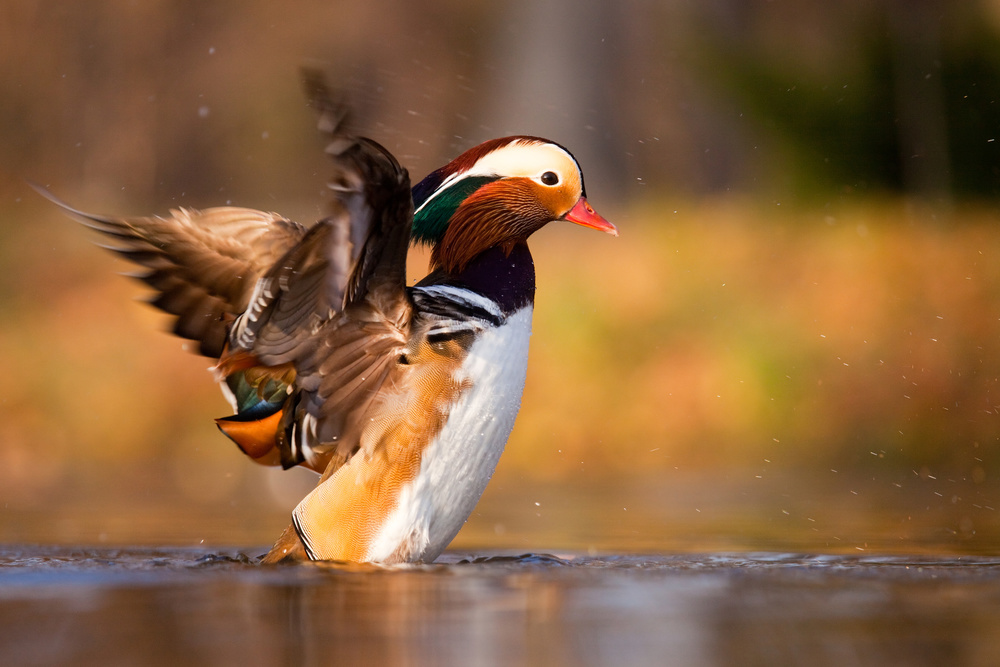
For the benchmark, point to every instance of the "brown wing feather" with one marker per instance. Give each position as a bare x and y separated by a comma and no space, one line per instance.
202,264
341,318
344,343
354,362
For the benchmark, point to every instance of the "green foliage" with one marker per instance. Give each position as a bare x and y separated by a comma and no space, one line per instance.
971,78
878,110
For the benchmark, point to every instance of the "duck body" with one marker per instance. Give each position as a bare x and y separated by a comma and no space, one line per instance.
437,442
465,392
402,398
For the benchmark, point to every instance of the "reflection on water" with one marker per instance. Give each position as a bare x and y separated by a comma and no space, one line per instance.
173,606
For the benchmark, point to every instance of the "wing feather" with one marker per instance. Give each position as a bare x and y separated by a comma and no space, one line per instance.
203,264
335,305
329,301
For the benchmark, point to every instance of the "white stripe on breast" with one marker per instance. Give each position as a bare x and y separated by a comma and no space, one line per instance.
462,296
458,464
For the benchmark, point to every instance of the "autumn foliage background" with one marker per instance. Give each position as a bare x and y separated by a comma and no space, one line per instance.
794,344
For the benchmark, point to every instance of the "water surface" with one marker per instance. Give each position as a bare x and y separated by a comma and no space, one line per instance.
148,606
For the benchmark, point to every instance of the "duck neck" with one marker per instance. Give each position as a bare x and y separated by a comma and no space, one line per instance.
508,280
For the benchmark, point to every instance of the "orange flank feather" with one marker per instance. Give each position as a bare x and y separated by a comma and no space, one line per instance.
347,511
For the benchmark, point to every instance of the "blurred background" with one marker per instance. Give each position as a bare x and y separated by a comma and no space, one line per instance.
794,344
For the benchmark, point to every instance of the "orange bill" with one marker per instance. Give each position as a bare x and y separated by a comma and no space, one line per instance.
584,214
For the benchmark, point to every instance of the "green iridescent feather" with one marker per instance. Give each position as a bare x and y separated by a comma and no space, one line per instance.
431,221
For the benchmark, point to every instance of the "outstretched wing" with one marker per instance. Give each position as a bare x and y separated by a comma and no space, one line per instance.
334,307
202,264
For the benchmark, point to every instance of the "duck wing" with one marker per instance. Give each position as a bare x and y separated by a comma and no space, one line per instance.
334,307
203,265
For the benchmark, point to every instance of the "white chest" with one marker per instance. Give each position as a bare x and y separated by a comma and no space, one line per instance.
458,464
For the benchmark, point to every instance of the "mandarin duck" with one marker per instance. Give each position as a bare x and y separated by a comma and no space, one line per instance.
401,398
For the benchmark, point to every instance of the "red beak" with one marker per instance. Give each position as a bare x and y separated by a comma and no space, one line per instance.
584,214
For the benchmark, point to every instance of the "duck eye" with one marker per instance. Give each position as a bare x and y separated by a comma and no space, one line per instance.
550,178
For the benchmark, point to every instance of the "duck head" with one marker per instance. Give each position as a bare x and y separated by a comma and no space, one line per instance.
496,195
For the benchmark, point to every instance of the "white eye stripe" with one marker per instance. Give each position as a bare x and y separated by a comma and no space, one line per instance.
523,159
